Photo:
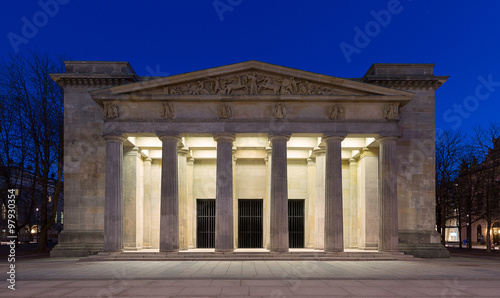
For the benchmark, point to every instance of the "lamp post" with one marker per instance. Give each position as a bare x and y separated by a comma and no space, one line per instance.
37,222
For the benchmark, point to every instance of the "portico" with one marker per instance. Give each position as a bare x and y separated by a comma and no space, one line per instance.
257,155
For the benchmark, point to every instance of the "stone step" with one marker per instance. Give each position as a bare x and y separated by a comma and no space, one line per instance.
248,256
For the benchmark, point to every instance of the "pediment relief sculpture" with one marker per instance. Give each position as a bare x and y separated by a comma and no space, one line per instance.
110,111
251,83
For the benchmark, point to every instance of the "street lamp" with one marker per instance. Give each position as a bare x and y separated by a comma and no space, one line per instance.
37,222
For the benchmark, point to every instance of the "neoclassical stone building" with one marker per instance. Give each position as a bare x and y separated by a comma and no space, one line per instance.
249,155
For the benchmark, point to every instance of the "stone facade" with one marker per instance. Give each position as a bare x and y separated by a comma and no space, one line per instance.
358,152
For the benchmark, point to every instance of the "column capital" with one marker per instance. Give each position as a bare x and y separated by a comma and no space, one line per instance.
115,137
386,138
352,161
319,150
333,137
225,137
148,159
279,138
168,137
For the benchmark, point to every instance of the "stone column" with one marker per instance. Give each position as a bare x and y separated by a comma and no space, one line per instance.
319,216
147,203
334,228
113,202
169,200
388,195
132,199
279,194
353,197
224,194
183,210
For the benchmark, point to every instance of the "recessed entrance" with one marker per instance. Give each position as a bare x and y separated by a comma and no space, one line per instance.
205,223
249,223
296,223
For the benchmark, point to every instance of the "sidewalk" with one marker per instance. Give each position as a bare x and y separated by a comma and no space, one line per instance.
456,276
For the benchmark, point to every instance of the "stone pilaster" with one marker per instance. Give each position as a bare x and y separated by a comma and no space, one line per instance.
388,199
334,228
113,204
353,198
267,202
279,194
191,216
311,209
319,218
183,210
224,237
147,204
169,201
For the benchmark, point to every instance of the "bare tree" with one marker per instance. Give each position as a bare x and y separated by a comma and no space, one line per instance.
487,141
449,149
26,81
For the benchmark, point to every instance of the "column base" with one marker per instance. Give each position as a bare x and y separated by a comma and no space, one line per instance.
224,250
422,244
279,250
78,244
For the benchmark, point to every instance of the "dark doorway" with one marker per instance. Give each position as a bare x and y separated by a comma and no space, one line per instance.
296,223
205,223
250,223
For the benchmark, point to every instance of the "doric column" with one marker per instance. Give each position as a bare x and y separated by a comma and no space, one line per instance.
334,229
132,200
388,199
147,203
353,197
113,202
183,210
169,199
279,194
319,211
224,193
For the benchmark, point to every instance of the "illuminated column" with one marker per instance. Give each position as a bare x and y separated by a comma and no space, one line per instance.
353,197
113,201
388,198
224,193
279,194
169,198
147,203
319,212
334,228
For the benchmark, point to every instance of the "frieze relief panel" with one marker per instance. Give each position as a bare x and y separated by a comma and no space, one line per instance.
250,83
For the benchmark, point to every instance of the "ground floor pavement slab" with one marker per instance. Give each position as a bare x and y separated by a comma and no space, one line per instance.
67,277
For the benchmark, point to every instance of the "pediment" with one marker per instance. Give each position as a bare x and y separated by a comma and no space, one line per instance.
250,78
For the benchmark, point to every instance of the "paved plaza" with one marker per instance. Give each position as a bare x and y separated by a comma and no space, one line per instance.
68,277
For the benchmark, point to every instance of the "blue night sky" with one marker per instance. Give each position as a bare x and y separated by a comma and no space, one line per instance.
169,37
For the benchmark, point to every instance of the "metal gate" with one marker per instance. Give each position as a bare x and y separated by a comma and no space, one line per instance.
205,223
249,223
296,223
